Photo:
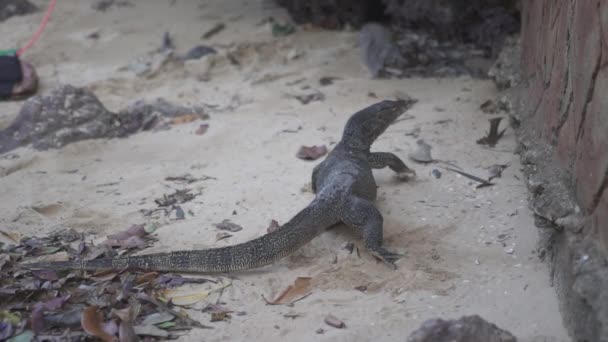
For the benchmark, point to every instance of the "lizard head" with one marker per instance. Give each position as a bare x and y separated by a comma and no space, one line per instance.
366,125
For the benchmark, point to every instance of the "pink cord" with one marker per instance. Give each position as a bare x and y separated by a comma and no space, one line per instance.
38,33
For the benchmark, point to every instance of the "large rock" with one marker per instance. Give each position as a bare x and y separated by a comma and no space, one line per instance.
464,329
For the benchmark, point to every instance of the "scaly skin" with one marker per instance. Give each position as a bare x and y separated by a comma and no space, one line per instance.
344,186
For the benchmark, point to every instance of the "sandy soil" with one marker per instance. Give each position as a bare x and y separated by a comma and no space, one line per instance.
457,239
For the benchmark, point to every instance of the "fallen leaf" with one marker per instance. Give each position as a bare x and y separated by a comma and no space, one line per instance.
494,135
333,321
10,317
6,330
361,288
61,256
45,274
152,227
327,80
149,277
179,196
489,107
133,242
422,153
13,237
308,98
150,330
179,213
495,171
157,318
298,290
186,118
25,336
166,325
213,31
92,323
280,30
110,327
69,318
274,225
228,225
219,316
311,152
221,236
4,258
48,210
202,129
126,332
177,297
134,230
48,250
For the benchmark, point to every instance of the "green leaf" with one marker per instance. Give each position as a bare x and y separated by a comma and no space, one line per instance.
25,336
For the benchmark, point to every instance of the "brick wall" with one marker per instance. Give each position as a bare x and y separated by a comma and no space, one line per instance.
565,72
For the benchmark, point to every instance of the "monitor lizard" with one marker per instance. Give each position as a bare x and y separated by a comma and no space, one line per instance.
344,186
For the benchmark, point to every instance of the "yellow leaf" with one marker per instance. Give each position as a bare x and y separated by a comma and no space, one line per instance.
178,298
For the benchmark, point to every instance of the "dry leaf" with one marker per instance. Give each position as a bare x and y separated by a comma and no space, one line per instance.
221,236
333,321
274,225
186,118
202,129
311,152
92,323
13,237
228,225
491,139
299,290
177,297
126,333
150,330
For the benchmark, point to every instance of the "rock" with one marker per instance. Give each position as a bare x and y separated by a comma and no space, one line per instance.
69,114
378,49
506,71
9,8
464,329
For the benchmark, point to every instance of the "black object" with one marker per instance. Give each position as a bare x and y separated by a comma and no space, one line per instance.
10,74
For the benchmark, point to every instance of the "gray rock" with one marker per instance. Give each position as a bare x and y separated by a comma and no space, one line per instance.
464,329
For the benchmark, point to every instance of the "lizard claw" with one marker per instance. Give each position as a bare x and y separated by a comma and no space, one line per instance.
406,175
388,258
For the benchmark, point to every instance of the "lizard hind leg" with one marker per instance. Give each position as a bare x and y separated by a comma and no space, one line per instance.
363,216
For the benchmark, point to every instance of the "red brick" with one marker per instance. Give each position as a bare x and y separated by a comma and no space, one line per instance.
592,149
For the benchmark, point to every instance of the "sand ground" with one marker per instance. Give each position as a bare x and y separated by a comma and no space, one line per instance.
468,250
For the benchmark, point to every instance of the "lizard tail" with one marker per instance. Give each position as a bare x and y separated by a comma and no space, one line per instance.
262,251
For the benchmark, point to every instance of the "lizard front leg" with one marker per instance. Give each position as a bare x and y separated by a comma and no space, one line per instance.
362,215
380,160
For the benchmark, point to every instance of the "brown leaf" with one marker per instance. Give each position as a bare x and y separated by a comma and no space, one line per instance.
311,152
494,135
186,118
228,225
133,242
333,321
298,290
327,80
126,333
274,225
45,274
308,98
92,323
202,129
149,277
221,236
489,107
